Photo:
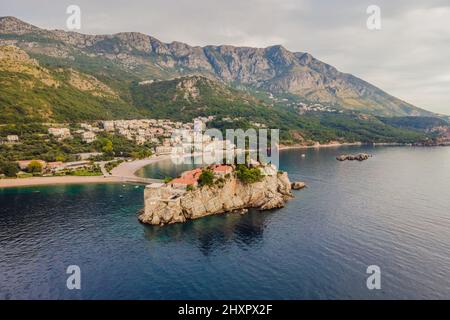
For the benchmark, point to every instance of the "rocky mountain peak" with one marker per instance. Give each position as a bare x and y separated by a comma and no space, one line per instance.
10,24
305,58
280,55
135,40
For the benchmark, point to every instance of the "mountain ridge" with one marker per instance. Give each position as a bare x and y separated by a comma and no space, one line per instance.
273,69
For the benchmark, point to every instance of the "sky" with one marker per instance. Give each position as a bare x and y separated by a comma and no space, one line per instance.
408,57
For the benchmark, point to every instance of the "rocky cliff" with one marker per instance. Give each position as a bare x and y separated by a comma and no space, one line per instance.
164,206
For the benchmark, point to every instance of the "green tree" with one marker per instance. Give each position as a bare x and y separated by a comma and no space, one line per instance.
167,179
248,175
206,178
141,154
9,168
107,146
35,167
60,158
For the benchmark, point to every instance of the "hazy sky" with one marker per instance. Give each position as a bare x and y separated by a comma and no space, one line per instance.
409,57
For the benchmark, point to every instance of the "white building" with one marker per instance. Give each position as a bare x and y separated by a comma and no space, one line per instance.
140,140
88,155
163,150
198,125
12,138
86,126
88,136
59,133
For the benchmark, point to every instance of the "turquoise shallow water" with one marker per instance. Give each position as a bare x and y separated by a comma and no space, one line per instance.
392,211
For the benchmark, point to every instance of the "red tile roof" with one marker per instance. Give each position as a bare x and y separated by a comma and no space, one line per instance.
188,177
186,181
222,168
193,174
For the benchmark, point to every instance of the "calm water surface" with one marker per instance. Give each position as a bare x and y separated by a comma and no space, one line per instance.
392,211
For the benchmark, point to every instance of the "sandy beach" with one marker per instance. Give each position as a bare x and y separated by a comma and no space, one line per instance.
129,168
118,175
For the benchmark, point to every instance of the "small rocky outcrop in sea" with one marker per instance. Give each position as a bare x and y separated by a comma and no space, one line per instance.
353,157
298,185
169,203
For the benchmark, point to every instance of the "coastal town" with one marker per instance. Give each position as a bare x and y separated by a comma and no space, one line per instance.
139,131
98,156
210,189
153,136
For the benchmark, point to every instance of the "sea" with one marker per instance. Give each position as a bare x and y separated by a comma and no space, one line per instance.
390,214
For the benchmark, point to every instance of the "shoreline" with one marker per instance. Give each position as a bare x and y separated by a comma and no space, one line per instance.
319,146
128,169
124,170
347,144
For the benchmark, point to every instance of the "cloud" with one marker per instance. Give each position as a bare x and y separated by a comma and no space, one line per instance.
407,57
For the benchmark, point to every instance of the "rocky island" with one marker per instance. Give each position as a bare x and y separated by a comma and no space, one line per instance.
353,157
213,190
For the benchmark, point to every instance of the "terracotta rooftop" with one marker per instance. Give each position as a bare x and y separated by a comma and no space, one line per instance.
186,181
221,168
193,174
188,177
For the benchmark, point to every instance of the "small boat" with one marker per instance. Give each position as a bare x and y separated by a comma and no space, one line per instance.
303,155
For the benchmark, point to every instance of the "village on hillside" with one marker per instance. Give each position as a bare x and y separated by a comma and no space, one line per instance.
153,137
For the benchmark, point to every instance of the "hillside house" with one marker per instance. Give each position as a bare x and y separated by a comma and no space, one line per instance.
222,170
60,133
187,178
12,138
88,136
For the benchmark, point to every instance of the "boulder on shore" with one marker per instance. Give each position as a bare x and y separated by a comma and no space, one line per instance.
297,185
353,157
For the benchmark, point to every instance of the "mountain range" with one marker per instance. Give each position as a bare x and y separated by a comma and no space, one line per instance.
55,75
273,69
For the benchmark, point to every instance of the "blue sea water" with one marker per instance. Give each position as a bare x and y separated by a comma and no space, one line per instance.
392,211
